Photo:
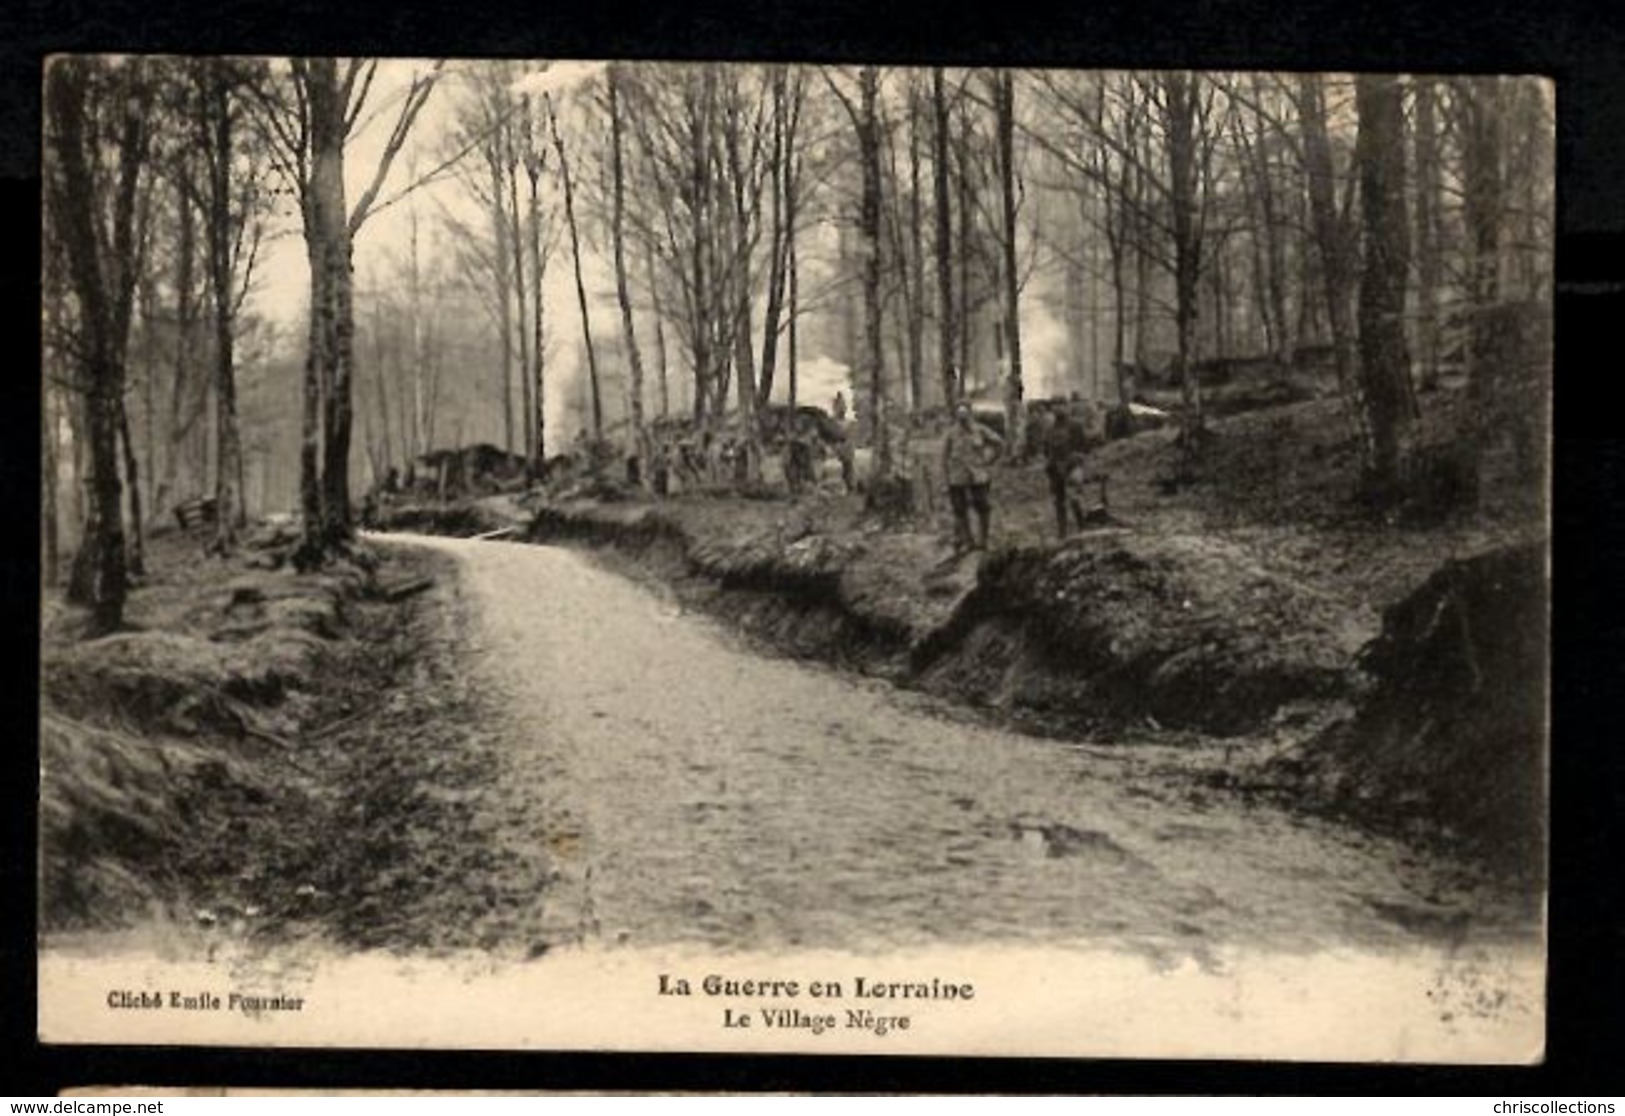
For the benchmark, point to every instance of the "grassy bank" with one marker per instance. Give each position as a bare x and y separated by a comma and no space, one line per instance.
263,755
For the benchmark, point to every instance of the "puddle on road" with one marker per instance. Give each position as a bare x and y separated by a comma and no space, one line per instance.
1056,840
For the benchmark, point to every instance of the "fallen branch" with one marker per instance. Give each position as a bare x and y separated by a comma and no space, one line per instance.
400,590
500,532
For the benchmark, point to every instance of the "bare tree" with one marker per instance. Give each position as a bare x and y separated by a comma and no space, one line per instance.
233,205
1335,244
947,367
581,287
540,238
618,235
309,123
1384,357
1004,102
97,134
786,197
865,119
1429,261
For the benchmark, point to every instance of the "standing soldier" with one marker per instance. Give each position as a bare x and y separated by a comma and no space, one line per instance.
798,458
1064,443
967,452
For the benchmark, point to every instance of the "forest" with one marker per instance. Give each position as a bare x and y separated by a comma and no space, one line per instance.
514,505
272,285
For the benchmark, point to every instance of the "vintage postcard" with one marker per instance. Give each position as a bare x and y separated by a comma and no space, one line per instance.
795,558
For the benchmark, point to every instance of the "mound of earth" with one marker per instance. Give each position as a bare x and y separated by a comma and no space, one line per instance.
1192,632
1453,732
1189,631
460,518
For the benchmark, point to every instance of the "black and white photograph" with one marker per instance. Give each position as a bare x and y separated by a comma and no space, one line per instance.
801,558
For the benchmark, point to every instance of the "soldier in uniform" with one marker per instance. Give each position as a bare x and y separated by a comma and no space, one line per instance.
968,451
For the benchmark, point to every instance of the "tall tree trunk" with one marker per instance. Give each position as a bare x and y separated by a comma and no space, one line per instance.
1332,242
737,298
538,324
581,287
1428,261
1384,359
104,536
327,116
946,326
1180,95
1484,202
318,339
229,513
793,354
869,153
185,283
137,562
504,284
324,448
416,438
1014,389
916,259
149,393
102,267
967,230
660,335
699,190
1142,277
1089,288
623,292
1119,318
1274,249
527,371
779,196
381,386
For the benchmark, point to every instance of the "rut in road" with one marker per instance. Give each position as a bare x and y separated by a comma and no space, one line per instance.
687,789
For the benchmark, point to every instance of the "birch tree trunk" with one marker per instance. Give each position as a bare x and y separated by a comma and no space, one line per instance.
217,122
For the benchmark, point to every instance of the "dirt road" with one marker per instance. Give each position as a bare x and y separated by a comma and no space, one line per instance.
685,788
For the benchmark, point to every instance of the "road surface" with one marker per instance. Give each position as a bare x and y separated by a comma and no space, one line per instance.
686,788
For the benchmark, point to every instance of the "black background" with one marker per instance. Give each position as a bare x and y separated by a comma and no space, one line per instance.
1581,45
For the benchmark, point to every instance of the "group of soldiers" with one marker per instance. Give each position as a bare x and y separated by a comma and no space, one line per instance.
703,459
1062,434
